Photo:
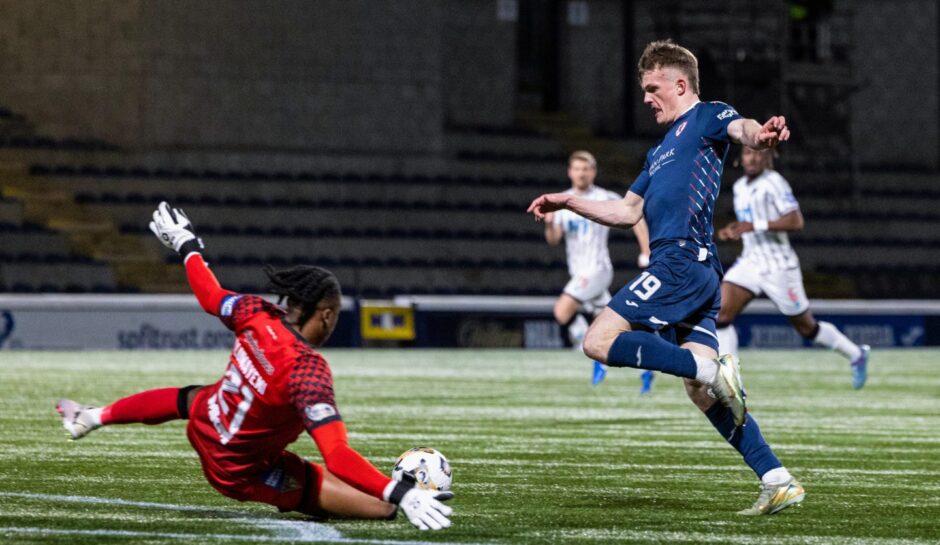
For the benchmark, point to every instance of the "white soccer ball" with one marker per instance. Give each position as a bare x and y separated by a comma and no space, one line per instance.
429,467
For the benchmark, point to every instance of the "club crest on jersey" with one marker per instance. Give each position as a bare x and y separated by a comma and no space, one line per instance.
320,411
681,128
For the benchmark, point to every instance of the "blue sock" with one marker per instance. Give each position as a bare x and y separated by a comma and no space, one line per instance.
643,350
747,439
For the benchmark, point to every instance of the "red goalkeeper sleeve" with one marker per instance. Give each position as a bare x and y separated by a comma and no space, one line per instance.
347,464
204,284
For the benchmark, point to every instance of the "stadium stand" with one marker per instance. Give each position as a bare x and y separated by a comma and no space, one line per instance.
77,222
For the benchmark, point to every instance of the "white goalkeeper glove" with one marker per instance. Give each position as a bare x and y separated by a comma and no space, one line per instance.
422,507
175,231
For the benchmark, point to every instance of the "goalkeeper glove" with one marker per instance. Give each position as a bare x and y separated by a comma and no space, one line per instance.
422,507
175,231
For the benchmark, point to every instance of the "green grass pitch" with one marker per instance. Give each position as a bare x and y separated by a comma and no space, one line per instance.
539,455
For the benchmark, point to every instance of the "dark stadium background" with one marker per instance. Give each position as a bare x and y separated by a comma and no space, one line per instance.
398,143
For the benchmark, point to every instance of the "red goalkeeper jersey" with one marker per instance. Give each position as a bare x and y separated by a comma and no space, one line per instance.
275,386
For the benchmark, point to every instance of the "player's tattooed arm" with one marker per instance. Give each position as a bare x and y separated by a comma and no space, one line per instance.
754,135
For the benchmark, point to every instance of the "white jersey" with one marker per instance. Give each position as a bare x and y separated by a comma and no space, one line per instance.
585,240
767,197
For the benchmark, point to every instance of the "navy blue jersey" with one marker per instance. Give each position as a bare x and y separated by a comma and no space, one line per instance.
681,177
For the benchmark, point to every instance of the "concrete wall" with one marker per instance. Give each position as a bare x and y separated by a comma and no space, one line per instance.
75,68
332,74
479,64
591,66
895,113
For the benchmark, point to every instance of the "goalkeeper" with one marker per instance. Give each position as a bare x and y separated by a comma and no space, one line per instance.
276,385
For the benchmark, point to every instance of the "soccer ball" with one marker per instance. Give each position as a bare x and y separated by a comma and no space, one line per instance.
428,466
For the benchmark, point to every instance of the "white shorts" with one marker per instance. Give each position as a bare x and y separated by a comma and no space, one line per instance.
591,290
783,287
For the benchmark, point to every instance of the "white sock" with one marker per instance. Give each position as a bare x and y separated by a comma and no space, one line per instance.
776,477
706,370
576,331
728,340
95,414
830,337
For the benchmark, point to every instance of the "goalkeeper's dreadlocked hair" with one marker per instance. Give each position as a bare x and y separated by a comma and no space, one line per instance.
304,286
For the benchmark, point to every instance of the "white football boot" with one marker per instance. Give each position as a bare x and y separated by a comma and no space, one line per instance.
773,499
76,419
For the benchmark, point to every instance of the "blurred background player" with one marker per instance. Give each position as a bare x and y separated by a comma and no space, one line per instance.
665,318
766,209
588,257
276,385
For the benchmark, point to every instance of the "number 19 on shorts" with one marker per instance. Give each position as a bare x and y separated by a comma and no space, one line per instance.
648,284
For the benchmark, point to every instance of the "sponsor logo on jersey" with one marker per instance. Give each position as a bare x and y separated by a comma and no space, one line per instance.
228,304
663,159
320,411
727,113
681,128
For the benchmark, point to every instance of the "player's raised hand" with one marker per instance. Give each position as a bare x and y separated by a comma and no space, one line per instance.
773,132
728,231
175,231
738,228
547,203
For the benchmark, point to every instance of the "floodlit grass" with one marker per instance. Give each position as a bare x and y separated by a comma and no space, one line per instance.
539,455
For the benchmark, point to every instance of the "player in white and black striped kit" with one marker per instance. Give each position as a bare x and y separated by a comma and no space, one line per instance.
588,257
766,209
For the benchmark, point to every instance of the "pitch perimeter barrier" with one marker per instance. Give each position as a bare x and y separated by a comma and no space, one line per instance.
154,322
527,322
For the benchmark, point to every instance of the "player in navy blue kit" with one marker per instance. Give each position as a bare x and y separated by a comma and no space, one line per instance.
664,319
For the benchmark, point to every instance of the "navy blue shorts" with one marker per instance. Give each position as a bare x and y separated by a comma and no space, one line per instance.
676,296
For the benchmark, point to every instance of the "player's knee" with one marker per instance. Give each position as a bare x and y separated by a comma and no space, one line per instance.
597,343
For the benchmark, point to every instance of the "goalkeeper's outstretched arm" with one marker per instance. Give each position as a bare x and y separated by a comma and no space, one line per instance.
174,229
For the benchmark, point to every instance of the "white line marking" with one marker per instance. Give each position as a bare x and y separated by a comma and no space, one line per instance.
202,537
284,530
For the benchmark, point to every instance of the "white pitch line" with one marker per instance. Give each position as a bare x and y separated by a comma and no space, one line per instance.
284,530
744,539
202,537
